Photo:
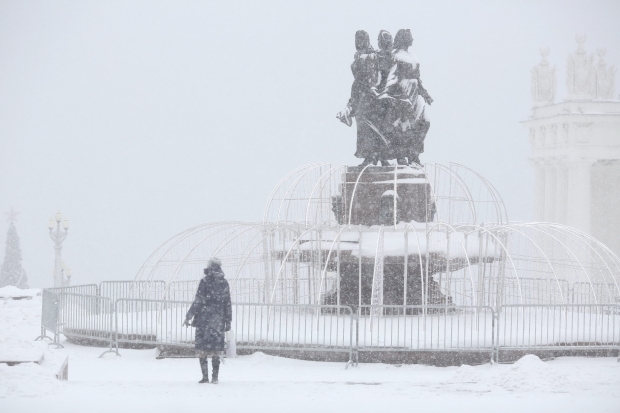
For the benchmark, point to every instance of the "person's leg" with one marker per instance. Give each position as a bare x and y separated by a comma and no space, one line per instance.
215,361
204,366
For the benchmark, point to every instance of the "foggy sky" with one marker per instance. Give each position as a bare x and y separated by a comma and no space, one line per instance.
138,119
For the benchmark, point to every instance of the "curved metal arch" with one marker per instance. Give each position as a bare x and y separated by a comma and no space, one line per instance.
277,187
354,190
179,238
144,264
277,278
240,266
330,171
231,237
248,256
514,268
588,250
613,257
610,254
182,260
422,284
292,190
548,262
324,272
499,201
465,189
536,226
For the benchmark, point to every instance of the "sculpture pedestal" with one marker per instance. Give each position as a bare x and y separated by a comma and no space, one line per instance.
373,196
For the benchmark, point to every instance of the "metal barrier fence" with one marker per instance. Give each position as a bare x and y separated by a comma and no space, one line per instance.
146,290
559,327
154,322
323,328
50,312
256,326
594,293
426,328
294,327
87,317
182,290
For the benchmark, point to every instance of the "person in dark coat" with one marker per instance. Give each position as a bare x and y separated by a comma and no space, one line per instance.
211,314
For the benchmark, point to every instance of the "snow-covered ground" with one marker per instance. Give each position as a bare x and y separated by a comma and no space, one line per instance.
137,382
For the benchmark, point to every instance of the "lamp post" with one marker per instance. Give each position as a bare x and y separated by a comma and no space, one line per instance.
66,274
58,237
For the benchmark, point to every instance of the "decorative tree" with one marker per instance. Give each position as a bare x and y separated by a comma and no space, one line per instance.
11,272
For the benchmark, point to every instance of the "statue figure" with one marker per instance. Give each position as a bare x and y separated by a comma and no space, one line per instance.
384,55
581,73
604,77
389,106
364,68
544,80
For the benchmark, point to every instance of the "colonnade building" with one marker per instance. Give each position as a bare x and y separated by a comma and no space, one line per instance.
576,146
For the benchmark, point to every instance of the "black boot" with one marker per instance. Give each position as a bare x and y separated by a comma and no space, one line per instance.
216,369
204,366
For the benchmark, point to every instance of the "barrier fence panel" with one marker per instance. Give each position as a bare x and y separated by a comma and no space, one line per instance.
247,290
87,317
154,322
140,290
182,290
50,312
294,327
553,327
257,326
595,293
426,328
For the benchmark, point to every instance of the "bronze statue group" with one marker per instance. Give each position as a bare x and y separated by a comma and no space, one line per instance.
387,100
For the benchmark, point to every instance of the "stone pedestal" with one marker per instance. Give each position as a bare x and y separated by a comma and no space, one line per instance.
372,196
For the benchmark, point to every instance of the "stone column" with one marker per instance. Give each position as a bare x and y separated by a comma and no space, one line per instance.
579,195
561,193
550,193
539,183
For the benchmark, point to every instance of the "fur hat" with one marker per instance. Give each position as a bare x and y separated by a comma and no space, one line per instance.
214,262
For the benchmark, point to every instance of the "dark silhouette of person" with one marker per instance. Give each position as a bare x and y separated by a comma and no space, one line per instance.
211,314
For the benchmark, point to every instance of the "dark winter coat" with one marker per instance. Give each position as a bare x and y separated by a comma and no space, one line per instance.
210,310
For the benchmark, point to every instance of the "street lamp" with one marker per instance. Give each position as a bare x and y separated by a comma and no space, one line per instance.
58,237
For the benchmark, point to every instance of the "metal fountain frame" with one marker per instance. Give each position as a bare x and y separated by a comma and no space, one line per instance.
298,212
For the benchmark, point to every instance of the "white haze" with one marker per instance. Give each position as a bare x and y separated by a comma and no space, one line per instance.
138,119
